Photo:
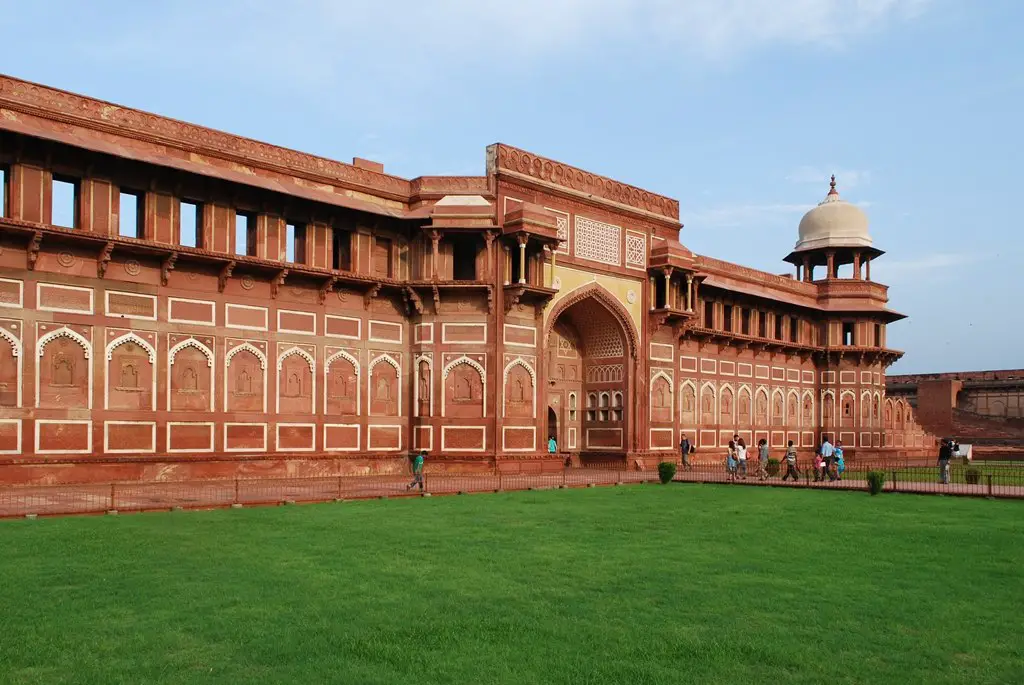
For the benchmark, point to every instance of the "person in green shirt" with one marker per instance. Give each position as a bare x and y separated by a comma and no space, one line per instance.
417,471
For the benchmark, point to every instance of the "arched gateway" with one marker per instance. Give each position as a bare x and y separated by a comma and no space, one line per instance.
591,348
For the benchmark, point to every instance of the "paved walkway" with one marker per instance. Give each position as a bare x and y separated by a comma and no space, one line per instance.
99,498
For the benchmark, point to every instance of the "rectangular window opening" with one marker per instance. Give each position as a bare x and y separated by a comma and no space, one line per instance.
778,327
794,330
762,324
709,314
727,318
878,335
64,202
191,222
464,252
342,253
130,214
295,243
745,321
3,191
848,338
245,234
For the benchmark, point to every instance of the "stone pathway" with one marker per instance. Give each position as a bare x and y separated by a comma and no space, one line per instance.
100,498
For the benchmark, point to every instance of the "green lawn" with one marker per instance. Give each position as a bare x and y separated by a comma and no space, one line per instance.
1003,473
637,584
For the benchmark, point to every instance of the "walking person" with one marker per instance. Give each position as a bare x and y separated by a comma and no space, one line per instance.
417,470
685,448
827,452
837,457
552,445
945,454
741,457
730,461
762,459
791,471
819,467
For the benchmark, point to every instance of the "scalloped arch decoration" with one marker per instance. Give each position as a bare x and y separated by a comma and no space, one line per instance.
191,342
130,338
248,348
296,351
64,332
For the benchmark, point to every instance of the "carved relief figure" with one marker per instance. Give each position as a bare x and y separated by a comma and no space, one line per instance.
826,409
464,392
295,384
423,390
808,418
661,400
519,393
793,413
707,406
761,409
725,403
777,416
384,390
744,408
8,375
689,404
63,375
342,387
245,382
191,378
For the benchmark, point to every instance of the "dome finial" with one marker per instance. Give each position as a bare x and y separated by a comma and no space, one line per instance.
832,186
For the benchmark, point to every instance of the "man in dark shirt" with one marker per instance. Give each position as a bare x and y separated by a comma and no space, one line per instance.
684,448
945,454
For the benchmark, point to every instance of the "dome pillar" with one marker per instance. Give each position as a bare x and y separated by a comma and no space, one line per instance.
856,265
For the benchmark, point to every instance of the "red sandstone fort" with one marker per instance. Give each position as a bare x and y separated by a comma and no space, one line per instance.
178,302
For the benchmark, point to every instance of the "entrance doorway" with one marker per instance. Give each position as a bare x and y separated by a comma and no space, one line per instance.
553,429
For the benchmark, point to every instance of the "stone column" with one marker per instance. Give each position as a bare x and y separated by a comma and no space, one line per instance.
808,270
435,238
522,259
489,241
831,265
668,281
867,267
689,292
856,265
552,281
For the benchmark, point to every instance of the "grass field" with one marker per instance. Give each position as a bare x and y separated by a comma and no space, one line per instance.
638,584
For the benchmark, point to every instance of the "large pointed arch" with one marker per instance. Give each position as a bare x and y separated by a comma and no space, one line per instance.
483,381
77,338
295,351
609,301
342,354
518,361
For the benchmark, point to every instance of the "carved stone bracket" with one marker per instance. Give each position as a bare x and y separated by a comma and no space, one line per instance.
413,301
370,294
104,259
275,285
225,274
33,249
167,267
490,299
512,296
437,299
326,288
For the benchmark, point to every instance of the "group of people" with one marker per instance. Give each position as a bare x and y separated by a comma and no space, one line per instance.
828,459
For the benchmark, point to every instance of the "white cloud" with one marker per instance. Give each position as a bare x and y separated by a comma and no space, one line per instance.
310,40
924,267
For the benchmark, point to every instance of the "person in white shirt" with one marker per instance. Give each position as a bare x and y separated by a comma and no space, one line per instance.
741,457
827,452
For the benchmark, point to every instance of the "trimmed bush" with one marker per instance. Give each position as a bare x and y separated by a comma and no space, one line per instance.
876,481
972,476
773,467
667,471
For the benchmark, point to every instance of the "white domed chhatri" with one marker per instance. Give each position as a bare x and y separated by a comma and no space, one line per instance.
833,223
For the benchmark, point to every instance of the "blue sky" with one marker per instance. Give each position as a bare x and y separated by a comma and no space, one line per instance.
739,108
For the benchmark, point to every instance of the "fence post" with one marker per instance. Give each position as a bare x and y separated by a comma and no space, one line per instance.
236,491
564,479
112,500
339,487
990,485
894,488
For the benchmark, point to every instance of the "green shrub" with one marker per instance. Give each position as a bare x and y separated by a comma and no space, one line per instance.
972,476
774,466
876,481
666,471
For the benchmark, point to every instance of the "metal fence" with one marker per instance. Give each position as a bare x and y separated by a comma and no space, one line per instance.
984,480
